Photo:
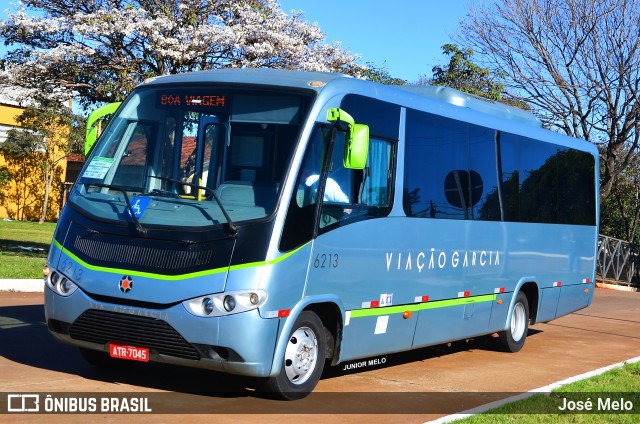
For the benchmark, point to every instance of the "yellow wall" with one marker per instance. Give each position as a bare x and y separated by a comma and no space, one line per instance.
8,115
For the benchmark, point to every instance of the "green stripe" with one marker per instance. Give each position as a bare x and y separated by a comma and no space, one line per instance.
389,310
174,277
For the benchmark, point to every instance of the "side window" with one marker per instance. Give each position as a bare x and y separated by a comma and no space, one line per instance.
576,188
376,186
354,195
508,150
482,162
538,182
438,183
455,170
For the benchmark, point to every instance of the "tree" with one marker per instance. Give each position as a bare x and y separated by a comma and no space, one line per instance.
381,75
620,212
48,133
576,62
464,75
101,49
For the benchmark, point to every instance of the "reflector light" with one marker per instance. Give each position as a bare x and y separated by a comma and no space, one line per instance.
557,284
375,303
464,294
283,313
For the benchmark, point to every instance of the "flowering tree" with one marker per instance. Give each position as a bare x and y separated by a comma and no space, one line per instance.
102,49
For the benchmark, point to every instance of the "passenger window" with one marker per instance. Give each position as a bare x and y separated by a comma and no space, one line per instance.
538,182
482,162
436,147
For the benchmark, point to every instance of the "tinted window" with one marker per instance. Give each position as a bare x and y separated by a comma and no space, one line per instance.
538,182
482,161
455,170
576,188
436,147
383,118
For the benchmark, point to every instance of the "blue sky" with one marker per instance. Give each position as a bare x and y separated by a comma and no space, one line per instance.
404,35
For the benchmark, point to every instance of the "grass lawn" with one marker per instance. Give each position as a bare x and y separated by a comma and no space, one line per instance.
607,393
23,248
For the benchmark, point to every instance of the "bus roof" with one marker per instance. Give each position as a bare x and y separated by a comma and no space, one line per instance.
481,104
257,76
317,80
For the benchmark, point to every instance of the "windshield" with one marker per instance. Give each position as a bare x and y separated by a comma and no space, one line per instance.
192,156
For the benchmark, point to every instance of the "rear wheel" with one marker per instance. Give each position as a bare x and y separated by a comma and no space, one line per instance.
512,339
303,360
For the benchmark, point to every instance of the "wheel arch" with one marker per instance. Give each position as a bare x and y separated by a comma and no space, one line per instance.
530,288
330,311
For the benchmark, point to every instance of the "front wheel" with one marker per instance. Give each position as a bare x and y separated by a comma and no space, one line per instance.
303,360
512,339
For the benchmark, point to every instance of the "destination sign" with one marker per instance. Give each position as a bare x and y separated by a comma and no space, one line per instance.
197,100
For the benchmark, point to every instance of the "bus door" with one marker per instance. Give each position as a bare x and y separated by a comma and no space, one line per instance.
353,234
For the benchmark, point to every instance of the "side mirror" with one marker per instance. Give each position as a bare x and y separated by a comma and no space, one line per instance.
356,146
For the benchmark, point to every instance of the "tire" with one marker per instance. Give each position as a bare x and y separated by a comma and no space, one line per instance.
303,361
101,359
512,339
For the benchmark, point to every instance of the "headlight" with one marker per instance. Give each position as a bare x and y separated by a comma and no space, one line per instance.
227,303
207,306
60,283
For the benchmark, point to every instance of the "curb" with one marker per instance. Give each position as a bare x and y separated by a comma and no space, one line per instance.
546,389
604,285
22,285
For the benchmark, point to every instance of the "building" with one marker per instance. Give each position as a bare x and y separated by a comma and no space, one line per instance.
21,182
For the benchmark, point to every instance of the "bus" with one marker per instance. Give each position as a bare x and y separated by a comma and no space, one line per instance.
269,223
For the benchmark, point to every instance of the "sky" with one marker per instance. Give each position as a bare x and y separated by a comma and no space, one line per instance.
404,36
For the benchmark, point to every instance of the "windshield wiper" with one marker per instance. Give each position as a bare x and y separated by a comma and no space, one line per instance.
230,223
141,230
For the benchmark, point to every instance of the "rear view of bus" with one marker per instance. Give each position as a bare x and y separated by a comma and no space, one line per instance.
262,222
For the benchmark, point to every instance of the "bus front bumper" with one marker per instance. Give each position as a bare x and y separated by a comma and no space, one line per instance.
241,344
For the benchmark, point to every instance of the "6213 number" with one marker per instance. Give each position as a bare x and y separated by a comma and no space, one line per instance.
326,260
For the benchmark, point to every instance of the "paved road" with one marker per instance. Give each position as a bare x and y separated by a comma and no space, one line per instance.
421,385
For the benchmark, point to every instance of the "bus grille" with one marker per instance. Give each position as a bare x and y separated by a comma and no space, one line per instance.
127,254
104,326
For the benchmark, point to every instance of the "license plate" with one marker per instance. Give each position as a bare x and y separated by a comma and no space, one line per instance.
129,352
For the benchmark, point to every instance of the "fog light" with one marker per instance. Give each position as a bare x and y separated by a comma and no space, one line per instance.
207,305
54,278
229,303
254,299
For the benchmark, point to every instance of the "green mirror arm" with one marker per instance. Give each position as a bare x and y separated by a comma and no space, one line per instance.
91,134
337,114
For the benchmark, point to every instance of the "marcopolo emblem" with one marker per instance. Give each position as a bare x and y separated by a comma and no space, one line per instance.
126,284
